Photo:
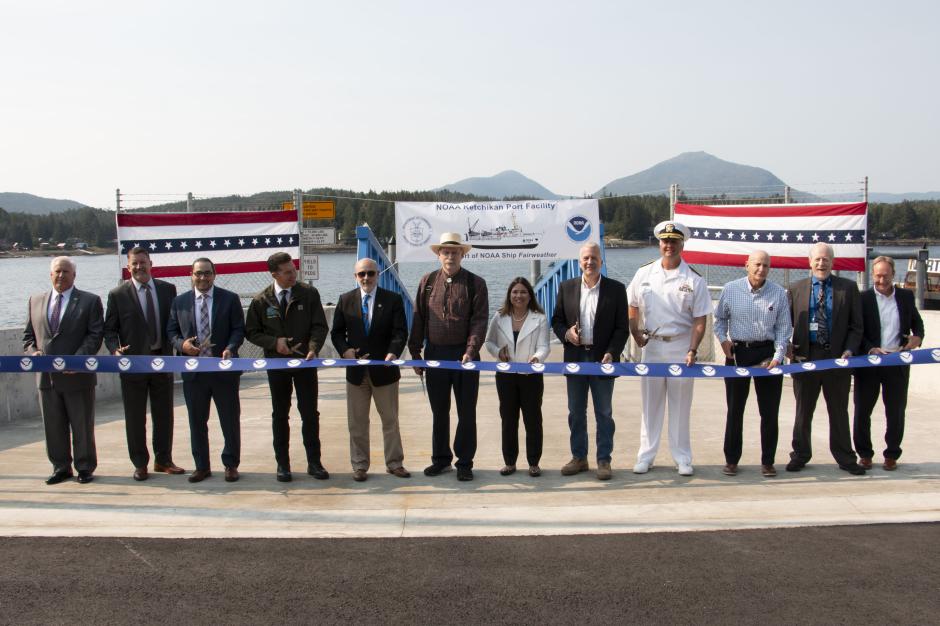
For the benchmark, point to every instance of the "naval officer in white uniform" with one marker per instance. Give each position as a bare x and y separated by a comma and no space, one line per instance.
668,305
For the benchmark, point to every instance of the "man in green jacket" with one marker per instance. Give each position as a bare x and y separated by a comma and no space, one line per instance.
286,320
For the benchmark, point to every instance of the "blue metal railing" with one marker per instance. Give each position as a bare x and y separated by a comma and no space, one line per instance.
369,247
546,290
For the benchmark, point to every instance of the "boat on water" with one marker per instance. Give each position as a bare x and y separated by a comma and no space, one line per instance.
511,236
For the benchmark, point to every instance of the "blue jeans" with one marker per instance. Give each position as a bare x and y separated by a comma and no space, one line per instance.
602,391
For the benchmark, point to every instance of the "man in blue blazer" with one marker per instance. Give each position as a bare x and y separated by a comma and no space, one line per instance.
891,323
208,321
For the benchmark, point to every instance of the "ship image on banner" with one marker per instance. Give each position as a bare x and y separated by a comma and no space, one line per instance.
501,236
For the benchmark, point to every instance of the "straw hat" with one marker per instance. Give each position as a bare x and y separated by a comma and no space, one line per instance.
451,240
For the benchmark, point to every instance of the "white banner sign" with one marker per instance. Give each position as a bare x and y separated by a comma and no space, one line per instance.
526,230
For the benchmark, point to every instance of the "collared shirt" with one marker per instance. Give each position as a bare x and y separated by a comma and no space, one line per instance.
198,309
814,300
669,300
142,297
747,314
451,318
890,321
362,297
588,306
66,296
277,293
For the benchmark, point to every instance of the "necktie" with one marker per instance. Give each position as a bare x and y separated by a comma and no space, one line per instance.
283,303
204,330
365,312
151,314
822,317
56,312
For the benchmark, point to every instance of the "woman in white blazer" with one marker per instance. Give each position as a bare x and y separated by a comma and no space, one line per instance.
519,332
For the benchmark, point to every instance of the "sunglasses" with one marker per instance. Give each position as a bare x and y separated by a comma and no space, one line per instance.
202,274
369,273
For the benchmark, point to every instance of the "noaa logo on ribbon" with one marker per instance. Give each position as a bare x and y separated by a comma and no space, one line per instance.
259,364
416,231
157,364
573,367
935,354
708,370
26,364
124,364
469,366
192,364
675,370
578,228
399,361
503,366
433,363
808,366
776,370
741,371
294,363
363,361
537,367
329,362
91,364
874,359
842,362
642,369
225,364
907,357
58,363
607,368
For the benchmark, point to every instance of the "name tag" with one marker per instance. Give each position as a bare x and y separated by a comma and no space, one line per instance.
271,312
814,326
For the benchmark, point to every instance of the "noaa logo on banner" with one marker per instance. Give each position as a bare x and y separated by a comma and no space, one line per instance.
642,369
124,364
157,364
776,370
808,366
259,364
741,371
294,363
675,370
469,366
708,370
578,228
538,367
91,364
433,363
58,363
225,364
26,364
907,357
874,359
329,362
935,354
503,366
192,364
416,231
573,367
363,361
399,361
842,362
607,368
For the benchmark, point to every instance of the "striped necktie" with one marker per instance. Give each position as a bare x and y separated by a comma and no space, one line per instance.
365,312
204,328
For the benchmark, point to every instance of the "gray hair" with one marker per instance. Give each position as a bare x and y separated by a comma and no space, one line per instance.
830,252
883,259
62,259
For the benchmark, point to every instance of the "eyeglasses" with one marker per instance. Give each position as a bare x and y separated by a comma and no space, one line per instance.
369,273
202,274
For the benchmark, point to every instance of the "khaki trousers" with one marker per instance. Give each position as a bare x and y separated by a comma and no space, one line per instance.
357,410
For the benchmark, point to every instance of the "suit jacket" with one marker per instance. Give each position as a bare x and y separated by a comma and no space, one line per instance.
846,326
532,341
610,319
388,333
80,332
909,319
228,323
125,323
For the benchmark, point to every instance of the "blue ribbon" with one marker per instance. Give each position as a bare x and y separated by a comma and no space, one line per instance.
181,364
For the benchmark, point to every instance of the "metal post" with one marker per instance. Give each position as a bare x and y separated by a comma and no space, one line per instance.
865,190
189,202
535,272
921,291
865,199
391,250
299,207
117,199
673,197
786,194
865,283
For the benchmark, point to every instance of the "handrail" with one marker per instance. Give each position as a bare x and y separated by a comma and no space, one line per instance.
546,289
369,247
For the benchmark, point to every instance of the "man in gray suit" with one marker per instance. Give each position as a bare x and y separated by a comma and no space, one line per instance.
61,322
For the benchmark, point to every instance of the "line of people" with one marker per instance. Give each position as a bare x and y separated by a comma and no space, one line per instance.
664,309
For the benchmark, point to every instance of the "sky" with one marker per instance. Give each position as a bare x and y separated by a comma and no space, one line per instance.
232,97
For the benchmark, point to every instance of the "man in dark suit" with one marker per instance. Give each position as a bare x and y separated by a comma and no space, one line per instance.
827,324
369,322
590,319
208,321
135,323
66,321
287,319
891,323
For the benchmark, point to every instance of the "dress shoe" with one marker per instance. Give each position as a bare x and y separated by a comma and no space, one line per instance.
890,464
642,467
84,476
360,475
865,462
199,475
231,474
603,470
464,473
685,469
317,471
731,469
853,468
535,470
436,469
283,474
58,477
399,471
141,473
768,471
169,468
574,466
795,466
507,470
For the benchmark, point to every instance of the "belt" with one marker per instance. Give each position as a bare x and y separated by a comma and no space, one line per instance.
666,338
588,348
753,344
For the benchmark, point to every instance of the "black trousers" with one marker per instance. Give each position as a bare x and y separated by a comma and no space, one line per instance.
768,390
222,389
835,385
521,392
892,382
135,390
466,386
282,384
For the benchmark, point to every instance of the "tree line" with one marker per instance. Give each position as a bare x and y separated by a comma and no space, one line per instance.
95,227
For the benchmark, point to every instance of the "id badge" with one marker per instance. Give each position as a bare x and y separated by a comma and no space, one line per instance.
814,326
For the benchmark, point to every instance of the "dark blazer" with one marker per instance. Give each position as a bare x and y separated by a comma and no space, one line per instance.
610,320
80,332
388,333
909,319
125,323
846,325
228,322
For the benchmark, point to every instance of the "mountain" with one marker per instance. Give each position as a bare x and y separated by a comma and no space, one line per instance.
698,172
508,184
28,203
888,198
